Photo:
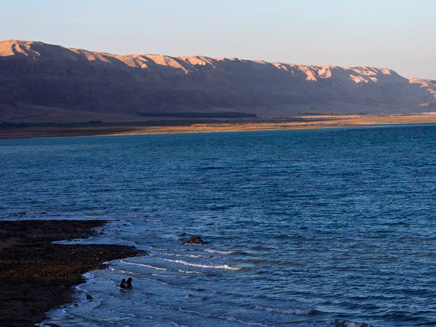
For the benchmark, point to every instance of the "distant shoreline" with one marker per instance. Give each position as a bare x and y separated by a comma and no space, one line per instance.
17,131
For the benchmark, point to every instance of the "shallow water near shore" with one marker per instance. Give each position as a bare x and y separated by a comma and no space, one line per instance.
303,228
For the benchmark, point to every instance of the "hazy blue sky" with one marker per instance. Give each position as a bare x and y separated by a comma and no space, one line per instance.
398,34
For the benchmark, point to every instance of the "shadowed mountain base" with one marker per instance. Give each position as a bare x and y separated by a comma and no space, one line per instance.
44,83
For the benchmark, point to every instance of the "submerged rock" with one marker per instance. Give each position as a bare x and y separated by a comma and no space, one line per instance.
346,323
194,240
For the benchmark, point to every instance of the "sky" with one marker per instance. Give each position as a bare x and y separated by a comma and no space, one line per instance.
395,34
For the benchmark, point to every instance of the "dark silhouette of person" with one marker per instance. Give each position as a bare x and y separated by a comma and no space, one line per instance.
123,284
129,283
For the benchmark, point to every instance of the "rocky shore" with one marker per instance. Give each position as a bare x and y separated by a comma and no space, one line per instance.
37,275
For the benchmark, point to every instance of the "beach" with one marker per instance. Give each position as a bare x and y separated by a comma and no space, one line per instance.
37,275
19,131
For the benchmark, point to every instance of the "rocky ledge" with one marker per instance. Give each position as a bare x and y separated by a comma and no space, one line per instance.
38,275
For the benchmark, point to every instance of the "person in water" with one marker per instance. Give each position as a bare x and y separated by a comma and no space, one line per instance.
129,283
126,285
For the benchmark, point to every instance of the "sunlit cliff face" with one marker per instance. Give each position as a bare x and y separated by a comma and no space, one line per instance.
49,78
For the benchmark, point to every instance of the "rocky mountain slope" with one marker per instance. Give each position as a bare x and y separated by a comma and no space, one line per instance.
49,83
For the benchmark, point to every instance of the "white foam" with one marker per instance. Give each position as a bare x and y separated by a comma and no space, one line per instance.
225,267
219,251
129,272
143,265
155,221
190,272
300,312
181,255
171,276
208,315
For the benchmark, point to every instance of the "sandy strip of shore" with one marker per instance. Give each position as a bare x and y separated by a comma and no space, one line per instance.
36,275
303,122
306,122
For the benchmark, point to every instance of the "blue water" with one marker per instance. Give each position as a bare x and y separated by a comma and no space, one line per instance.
303,228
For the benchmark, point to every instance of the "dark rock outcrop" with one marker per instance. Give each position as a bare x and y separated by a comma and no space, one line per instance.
37,275
194,240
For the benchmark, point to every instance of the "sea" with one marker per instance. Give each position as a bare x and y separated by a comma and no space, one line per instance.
321,227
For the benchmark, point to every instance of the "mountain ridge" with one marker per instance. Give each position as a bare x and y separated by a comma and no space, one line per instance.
50,83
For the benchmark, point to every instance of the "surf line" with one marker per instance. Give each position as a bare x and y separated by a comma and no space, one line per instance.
219,251
143,265
225,267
